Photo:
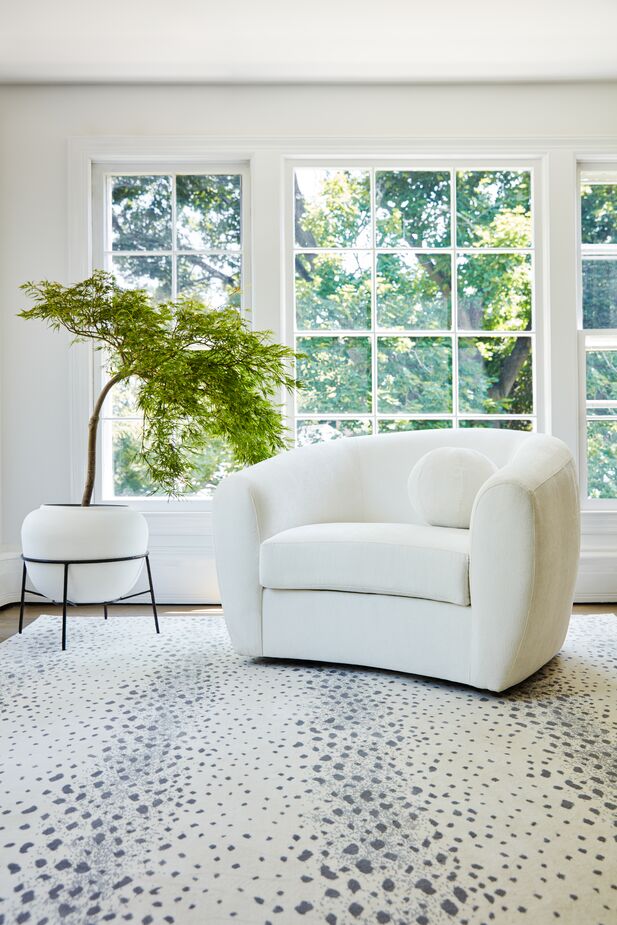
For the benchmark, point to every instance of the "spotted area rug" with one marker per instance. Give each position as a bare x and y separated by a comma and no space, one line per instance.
166,779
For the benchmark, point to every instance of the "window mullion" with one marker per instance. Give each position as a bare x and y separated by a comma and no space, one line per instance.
374,342
174,240
454,301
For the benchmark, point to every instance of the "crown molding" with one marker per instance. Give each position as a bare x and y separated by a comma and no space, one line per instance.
110,148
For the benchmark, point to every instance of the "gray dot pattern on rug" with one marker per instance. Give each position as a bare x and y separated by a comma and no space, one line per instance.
168,780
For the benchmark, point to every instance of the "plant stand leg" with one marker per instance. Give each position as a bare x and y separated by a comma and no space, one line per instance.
156,616
22,602
105,610
64,596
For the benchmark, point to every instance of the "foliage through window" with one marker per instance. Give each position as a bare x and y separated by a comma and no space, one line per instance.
413,299
599,312
172,234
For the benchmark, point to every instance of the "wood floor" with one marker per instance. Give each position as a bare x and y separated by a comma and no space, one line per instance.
9,617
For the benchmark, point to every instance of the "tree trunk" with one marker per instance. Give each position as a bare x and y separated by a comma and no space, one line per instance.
93,426
510,368
433,273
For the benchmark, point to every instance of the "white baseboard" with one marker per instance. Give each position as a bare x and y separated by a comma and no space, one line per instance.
10,576
597,577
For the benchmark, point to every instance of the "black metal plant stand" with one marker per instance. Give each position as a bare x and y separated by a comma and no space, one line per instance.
65,601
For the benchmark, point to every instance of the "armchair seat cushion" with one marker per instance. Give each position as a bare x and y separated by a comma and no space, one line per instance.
409,560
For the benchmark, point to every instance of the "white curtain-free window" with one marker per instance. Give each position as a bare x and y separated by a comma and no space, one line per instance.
414,297
173,232
598,339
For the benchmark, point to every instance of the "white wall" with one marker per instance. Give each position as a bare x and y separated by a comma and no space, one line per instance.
35,124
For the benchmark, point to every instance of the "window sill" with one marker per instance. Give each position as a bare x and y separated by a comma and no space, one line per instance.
598,521
162,506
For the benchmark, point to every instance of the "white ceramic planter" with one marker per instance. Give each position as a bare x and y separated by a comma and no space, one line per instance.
69,531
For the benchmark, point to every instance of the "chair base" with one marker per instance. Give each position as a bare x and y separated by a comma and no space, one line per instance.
405,634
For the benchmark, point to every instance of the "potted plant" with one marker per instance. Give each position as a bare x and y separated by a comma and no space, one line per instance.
197,374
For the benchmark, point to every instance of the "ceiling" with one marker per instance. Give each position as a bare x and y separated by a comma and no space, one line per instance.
283,41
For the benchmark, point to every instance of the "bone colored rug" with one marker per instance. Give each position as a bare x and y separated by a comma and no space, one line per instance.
167,780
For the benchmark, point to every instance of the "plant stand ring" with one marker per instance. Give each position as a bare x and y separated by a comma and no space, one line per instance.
66,563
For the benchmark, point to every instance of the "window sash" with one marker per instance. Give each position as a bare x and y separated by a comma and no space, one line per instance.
102,254
455,332
592,338
589,410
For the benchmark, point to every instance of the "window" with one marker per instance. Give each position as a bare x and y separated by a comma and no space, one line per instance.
172,234
413,298
599,337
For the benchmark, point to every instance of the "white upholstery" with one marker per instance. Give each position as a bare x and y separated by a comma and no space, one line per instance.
524,547
444,483
413,560
399,633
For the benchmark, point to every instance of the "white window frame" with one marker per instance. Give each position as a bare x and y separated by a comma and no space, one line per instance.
451,163
587,336
101,226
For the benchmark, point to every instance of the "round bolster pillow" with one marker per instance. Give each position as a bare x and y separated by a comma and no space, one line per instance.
444,483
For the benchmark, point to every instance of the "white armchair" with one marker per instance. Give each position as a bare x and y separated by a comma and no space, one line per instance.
320,556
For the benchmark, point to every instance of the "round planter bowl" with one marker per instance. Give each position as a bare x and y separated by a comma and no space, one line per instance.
69,531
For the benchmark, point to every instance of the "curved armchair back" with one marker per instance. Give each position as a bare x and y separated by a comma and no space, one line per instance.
360,478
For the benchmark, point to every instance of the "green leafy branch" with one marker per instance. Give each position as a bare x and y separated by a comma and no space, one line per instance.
198,373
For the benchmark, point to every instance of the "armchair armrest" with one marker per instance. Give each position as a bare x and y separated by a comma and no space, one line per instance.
236,541
314,484
525,538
